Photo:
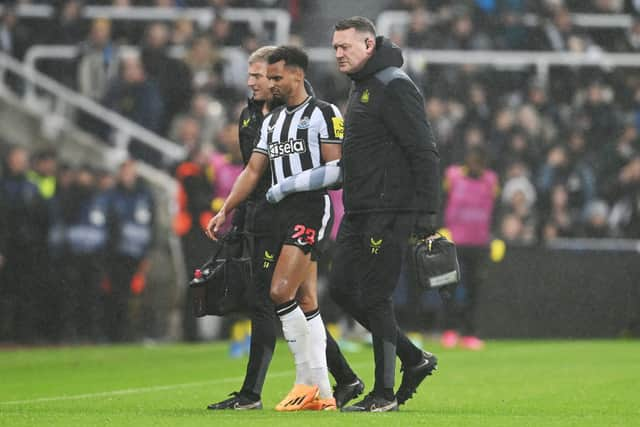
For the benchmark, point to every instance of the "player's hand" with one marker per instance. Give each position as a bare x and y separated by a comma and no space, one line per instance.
214,225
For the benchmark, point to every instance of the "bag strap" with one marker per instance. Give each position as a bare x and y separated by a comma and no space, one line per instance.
222,244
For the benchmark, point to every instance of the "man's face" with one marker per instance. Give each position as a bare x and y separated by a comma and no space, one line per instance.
283,80
258,81
353,49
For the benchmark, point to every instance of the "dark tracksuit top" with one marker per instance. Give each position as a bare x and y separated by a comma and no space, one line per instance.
389,157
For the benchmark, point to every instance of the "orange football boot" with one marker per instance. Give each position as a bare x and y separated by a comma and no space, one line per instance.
298,397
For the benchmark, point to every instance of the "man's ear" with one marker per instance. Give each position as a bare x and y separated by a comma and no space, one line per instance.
370,43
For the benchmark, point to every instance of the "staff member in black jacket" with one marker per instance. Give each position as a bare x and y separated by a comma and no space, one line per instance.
390,189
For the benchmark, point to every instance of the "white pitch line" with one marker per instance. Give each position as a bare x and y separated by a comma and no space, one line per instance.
133,390
143,389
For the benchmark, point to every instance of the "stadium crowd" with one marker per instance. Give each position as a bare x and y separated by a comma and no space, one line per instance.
566,151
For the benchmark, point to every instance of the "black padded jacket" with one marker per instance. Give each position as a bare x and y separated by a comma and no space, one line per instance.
389,156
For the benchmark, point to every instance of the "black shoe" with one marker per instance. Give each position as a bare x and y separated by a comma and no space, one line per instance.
238,402
414,375
343,393
373,403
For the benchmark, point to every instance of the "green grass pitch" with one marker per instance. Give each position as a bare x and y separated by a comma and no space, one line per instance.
510,383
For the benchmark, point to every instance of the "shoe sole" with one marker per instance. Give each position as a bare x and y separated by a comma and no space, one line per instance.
237,407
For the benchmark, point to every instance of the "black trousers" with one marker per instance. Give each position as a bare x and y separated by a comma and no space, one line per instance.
117,323
262,314
459,310
366,268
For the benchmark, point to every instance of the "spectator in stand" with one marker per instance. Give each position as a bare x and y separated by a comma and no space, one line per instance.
512,231
132,215
562,35
538,98
26,221
613,158
98,61
443,123
68,26
471,192
134,95
86,224
479,111
224,33
597,116
518,200
575,177
14,41
14,37
183,33
625,214
172,76
226,165
511,32
539,132
125,31
519,148
43,172
501,130
188,134
579,154
58,301
420,34
195,191
210,115
559,220
559,34
596,222
472,136
463,35
206,65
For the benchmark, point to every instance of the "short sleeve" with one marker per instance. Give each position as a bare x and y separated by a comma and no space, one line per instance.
262,146
332,130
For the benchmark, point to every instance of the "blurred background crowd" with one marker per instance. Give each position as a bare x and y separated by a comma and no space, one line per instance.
565,147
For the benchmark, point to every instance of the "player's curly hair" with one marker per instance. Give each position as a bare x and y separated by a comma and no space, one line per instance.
292,56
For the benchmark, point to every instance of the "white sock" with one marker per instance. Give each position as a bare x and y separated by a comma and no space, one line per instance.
318,354
296,332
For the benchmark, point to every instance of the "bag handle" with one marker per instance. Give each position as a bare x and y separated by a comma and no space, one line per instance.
221,246
429,241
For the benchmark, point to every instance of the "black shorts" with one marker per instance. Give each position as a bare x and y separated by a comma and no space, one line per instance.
305,221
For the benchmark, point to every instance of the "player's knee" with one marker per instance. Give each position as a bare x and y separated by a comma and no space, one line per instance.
280,292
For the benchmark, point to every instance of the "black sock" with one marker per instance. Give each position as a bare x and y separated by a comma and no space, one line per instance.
337,364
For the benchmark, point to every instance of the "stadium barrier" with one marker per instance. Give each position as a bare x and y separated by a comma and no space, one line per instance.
415,59
573,288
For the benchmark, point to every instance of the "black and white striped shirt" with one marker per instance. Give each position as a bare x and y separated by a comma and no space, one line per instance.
292,136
